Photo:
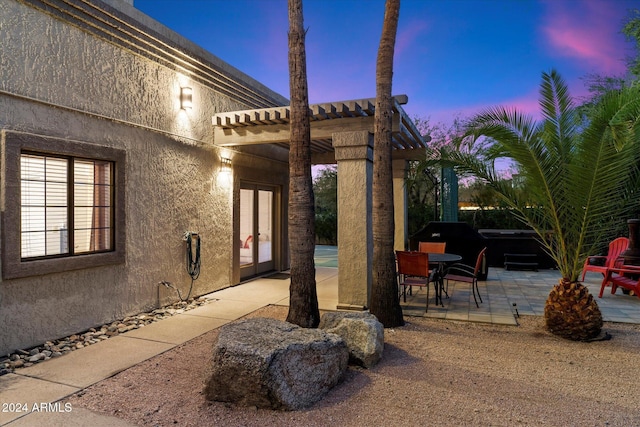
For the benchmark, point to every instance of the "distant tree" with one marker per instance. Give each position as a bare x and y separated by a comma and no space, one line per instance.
492,211
421,196
385,303
598,85
632,30
303,304
325,190
422,183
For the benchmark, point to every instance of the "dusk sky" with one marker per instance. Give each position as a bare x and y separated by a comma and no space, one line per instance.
452,57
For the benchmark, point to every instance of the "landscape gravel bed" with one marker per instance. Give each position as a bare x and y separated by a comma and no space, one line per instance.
433,372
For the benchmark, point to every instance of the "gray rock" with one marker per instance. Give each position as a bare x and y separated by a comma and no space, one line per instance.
268,363
36,357
362,332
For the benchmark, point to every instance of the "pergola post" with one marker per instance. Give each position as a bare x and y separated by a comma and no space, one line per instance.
354,155
400,211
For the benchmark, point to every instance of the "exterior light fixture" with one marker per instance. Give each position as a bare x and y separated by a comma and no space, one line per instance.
224,173
226,164
186,98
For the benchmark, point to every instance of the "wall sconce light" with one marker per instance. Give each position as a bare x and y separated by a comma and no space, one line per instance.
226,164
186,98
224,174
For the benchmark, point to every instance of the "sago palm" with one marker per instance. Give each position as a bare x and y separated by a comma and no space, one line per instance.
578,179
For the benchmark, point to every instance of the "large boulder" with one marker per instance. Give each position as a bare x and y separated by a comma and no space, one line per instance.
268,363
362,332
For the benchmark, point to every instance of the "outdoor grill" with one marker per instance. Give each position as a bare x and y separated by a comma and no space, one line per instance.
516,242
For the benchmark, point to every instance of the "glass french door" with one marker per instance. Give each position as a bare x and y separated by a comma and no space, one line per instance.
257,225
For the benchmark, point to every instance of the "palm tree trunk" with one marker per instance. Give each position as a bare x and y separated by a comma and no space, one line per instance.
303,304
385,303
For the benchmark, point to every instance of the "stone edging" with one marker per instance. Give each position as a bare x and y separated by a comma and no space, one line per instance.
62,346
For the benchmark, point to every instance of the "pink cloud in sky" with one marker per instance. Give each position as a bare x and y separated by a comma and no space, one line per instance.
527,104
587,30
407,35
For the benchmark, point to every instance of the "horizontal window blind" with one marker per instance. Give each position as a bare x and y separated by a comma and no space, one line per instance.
44,205
65,200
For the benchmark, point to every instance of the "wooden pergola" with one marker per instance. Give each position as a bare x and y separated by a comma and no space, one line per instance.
342,133
271,126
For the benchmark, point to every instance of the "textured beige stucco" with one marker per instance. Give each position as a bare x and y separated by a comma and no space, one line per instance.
355,251
172,167
400,213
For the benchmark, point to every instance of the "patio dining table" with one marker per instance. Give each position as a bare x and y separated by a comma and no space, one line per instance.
439,262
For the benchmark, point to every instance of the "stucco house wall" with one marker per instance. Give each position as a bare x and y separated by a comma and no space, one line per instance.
91,83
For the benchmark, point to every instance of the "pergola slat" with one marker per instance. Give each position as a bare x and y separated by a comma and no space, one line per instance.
271,126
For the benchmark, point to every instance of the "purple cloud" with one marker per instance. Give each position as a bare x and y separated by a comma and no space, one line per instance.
527,104
586,30
407,36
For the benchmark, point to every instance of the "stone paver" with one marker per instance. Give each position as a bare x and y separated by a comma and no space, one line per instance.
527,289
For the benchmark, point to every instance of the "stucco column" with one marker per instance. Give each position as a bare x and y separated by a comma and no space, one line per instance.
400,212
354,155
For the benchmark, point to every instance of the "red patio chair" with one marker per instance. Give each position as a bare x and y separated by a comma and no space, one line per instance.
466,273
611,260
619,277
413,270
432,247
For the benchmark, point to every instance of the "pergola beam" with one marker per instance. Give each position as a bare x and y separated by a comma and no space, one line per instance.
279,133
271,126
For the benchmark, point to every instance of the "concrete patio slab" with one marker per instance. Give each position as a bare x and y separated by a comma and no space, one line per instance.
76,417
177,329
327,290
324,273
226,309
24,392
86,366
257,291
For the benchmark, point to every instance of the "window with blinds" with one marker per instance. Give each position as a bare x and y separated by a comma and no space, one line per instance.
66,206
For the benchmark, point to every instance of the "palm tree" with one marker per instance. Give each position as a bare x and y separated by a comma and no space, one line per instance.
385,302
303,305
579,177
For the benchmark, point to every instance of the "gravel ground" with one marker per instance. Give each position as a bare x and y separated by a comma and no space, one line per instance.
433,372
